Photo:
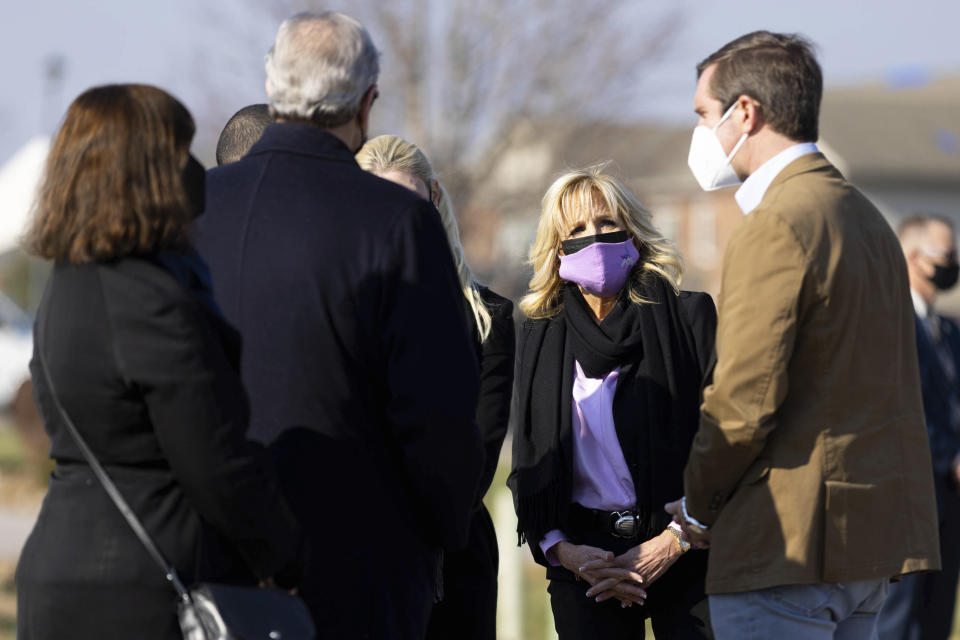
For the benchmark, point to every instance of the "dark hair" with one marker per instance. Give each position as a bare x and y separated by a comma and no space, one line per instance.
777,70
114,177
241,132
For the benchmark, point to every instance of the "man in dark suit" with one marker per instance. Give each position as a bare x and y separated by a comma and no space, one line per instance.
356,355
920,607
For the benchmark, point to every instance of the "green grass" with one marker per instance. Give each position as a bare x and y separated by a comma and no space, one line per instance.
8,620
11,450
8,628
955,634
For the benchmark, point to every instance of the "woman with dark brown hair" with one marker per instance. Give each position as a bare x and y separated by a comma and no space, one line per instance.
143,365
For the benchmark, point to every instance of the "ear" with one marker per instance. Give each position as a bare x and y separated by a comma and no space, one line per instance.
435,193
920,261
915,256
366,104
750,115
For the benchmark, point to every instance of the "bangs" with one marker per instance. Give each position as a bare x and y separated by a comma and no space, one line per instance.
583,194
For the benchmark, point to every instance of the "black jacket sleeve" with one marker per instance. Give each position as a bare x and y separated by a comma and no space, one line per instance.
496,385
431,375
166,349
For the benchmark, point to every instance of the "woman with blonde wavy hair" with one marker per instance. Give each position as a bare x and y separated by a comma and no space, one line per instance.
609,370
469,606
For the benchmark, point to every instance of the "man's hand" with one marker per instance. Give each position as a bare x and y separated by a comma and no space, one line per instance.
696,537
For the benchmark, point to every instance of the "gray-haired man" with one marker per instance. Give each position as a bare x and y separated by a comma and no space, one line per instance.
361,372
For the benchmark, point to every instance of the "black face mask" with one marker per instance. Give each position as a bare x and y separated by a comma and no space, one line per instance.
945,276
195,185
572,246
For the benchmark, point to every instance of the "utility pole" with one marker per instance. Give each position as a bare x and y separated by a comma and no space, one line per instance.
54,71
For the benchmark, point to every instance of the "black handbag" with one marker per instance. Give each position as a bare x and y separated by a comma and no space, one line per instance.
206,611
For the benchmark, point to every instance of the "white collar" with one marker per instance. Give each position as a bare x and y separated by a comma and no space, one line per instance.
752,190
920,305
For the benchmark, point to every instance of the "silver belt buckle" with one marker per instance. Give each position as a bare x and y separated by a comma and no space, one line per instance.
625,525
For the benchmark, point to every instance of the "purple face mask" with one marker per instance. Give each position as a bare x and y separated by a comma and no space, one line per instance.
601,268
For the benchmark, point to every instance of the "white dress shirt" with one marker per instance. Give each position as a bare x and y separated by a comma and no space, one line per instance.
919,304
752,190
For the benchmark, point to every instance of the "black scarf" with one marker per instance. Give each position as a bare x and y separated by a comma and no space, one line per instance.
656,405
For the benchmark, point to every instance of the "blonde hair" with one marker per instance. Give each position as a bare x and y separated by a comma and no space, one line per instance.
392,153
569,195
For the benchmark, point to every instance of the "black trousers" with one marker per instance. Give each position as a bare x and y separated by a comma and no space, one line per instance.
468,610
676,603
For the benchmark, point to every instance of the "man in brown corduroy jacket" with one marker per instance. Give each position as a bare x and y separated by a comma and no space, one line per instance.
810,476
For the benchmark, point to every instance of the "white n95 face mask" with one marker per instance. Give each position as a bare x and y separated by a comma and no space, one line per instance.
707,160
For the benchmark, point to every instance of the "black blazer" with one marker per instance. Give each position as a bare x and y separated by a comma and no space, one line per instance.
139,365
685,338
360,368
469,606
496,355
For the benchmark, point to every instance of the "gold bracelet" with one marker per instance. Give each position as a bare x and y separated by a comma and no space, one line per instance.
684,545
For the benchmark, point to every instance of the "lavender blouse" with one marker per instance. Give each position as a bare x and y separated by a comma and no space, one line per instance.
601,477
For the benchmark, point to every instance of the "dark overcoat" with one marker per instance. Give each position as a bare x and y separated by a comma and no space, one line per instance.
359,366
141,366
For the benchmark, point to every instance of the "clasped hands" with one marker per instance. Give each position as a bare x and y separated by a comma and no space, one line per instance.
624,577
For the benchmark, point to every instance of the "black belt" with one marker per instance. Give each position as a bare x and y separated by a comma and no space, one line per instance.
622,524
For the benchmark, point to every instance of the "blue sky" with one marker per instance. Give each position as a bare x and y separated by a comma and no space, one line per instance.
169,43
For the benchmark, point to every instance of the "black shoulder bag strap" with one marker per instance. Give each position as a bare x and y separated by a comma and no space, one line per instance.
168,571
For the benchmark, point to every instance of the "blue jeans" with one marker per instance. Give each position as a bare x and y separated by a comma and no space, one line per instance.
846,611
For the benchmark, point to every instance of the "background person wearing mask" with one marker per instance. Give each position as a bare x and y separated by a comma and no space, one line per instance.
147,370
361,370
469,606
809,477
920,607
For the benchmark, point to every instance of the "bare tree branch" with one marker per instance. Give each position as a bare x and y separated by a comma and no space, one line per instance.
467,79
